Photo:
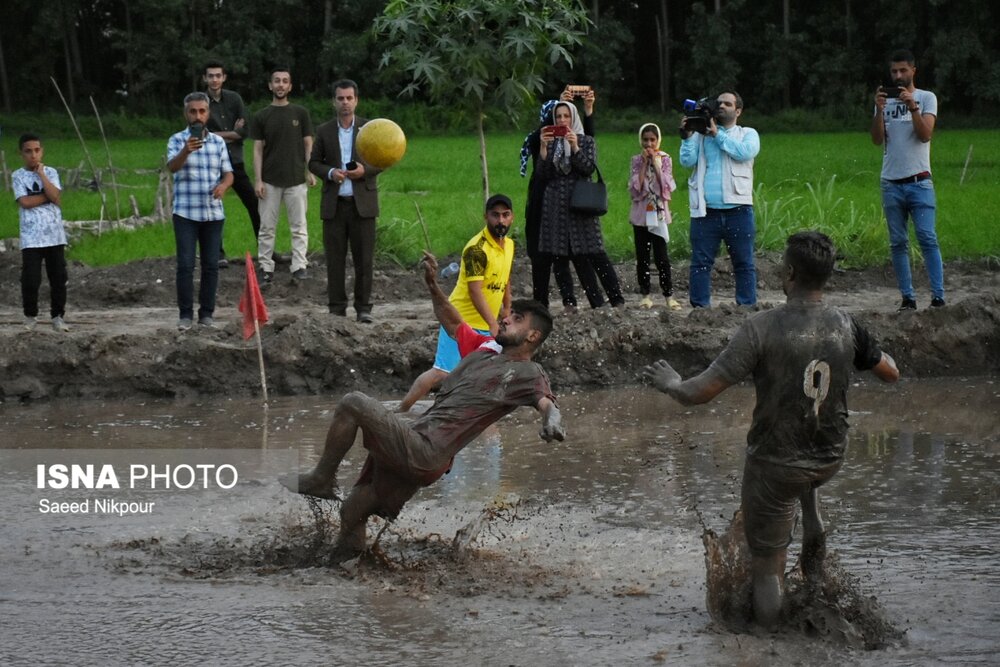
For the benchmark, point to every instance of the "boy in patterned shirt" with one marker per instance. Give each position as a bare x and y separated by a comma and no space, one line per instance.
43,239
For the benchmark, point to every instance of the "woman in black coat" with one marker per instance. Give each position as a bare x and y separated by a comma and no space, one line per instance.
564,234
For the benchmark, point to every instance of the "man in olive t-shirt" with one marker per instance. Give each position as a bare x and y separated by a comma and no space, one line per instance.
283,137
800,356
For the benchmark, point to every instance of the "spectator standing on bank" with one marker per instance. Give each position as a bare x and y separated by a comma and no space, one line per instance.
227,119
43,238
199,161
904,123
349,204
720,193
650,184
283,138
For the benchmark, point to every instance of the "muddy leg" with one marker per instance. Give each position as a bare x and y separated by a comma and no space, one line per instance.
768,585
360,504
322,481
813,538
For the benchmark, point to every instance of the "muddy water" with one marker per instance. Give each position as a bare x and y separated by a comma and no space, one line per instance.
589,553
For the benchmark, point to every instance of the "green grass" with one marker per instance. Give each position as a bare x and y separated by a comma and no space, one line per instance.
825,181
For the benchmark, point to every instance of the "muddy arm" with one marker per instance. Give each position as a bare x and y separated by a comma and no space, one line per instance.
445,313
885,370
551,421
702,388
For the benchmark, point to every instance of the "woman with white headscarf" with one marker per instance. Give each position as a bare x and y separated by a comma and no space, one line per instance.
565,234
650,183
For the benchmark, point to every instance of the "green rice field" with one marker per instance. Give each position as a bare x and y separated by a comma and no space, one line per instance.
825,181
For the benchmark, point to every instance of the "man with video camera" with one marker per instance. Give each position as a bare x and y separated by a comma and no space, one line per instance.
904,122
720,194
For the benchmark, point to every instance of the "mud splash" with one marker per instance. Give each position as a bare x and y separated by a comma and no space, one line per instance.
838,610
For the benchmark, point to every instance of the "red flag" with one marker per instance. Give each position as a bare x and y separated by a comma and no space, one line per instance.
251,302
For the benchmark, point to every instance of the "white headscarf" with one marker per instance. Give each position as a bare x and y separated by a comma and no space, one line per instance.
561,150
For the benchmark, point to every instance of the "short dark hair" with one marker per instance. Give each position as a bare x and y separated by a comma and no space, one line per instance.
541,318
279,68
903,56
739,100
26,137
213,64
344,83
811,255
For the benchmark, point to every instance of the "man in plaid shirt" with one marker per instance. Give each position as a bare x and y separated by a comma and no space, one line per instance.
199,161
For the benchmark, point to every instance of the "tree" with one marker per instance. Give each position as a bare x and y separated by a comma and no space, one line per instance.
479,54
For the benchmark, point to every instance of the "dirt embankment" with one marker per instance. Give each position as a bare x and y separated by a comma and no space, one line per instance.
124,340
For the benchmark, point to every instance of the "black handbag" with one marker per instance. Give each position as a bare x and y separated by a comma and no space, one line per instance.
589,198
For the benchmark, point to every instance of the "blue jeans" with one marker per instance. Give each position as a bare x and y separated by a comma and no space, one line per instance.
736,227
207,236
917,201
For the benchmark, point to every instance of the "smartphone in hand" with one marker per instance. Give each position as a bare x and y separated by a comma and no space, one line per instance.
557,130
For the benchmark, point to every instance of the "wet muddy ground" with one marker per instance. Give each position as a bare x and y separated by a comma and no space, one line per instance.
592,553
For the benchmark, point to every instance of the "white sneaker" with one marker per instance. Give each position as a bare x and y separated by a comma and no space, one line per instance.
59,325
30,322
673,304
184,324
646,302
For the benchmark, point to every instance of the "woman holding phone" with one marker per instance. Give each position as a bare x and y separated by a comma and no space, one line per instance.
566,155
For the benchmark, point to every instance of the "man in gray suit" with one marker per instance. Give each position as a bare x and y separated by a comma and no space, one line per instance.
349,204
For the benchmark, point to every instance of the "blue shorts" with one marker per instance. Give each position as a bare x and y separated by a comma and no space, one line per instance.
448,356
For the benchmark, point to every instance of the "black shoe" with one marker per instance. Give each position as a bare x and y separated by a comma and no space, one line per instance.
907,304
300,275
338,313
223,263
937,302
365,318
266,278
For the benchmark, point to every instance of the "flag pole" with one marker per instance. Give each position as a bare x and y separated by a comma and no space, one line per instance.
260,359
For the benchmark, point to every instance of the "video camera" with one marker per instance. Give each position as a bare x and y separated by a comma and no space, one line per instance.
698,115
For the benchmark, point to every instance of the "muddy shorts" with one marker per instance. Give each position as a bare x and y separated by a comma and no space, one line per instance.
389,439
770,492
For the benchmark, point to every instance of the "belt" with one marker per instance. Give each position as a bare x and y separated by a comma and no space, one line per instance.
349,198
916,178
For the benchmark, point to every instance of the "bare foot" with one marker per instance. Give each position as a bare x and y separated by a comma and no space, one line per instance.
308,485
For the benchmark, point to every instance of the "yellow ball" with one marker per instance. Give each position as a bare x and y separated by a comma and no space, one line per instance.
381,143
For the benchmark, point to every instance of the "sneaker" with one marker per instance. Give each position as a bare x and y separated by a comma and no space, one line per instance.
937,302
206,322
223,263
184,324
267,277
300,275
646,301
364,318
907,304
30,322
59,324
673,304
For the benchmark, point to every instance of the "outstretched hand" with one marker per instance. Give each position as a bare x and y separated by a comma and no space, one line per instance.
552,428
430,265
662,375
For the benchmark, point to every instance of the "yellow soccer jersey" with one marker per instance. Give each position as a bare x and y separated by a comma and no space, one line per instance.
485,261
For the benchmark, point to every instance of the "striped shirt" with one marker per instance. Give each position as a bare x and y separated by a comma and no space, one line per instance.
194,182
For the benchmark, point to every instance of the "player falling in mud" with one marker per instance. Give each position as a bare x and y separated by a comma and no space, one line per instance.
800,355
494,378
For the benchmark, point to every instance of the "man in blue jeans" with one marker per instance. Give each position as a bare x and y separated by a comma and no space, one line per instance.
720,194
904,123
199,161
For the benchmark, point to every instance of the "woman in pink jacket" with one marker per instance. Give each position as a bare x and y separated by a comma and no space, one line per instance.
650,183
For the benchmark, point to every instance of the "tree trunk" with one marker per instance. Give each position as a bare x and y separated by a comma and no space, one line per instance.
663,42
480,117
70,83
786,96
4,83
847,22
595,12
129,73
327,18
